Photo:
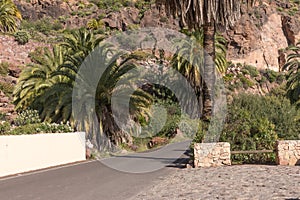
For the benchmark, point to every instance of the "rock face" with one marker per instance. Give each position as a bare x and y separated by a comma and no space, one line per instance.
122,19
36,9
257,38
211,154
15,54
288,152
158,18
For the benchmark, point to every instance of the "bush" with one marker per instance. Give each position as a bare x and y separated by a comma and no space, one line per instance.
43,127
4,127
28,122
7,88
22,37
44,25
4,68
2,116
27,117
253,72
36,55
276,109
271,75
256,122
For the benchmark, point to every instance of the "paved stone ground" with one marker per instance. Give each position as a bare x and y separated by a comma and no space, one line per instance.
230,182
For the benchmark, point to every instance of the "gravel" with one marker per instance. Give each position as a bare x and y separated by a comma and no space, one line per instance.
228,182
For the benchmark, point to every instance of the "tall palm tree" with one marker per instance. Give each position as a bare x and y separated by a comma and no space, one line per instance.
206,14
189,66
293,77
9,16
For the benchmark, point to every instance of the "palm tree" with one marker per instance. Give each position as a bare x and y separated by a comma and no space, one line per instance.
206,14
81,41
113,66
48,86
293,76
189,67
57,99
37,78
9,16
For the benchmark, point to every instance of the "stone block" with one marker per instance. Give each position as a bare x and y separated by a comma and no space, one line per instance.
288,152
212,154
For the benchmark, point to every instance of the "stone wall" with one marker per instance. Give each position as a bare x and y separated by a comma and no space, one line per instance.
288,152
212,154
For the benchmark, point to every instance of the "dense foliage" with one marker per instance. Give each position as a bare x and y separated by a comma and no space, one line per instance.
256,122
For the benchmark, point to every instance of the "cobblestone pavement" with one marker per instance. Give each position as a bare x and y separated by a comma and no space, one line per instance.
230,182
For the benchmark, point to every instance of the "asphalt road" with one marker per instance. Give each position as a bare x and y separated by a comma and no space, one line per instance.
106,179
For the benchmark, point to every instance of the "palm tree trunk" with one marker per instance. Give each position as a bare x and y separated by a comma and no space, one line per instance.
209,70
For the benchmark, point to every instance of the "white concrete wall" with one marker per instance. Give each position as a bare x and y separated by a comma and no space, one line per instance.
31,152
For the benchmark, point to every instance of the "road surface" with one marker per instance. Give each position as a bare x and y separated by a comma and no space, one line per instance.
94,180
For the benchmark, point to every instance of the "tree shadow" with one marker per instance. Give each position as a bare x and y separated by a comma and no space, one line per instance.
181,162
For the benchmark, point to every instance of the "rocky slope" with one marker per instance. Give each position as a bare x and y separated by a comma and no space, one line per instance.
256,39
259,38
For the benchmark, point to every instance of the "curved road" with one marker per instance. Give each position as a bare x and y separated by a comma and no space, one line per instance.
94,180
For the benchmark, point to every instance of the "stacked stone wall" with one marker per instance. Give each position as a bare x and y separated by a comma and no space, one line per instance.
212,154
288,152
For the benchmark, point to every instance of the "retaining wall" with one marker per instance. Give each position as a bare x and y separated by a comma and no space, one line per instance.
23,153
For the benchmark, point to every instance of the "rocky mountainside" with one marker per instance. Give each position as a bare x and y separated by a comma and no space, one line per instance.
258,39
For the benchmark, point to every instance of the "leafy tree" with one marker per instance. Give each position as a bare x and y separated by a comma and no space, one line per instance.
9,16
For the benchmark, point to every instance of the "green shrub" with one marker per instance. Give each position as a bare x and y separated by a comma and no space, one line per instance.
27,117
271,75
22,37
245,81
7,88
277,109
4,127
44,25
37,55
252,70
43,127
255,122
4,66
2,116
